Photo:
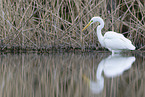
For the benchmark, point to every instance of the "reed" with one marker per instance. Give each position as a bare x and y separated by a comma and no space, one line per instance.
46,24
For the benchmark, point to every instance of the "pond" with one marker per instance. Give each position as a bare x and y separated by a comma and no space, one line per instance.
73,74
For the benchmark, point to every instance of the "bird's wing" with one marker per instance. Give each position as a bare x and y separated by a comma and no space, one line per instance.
116,41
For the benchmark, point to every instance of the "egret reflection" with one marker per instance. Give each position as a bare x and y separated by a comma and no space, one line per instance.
111,66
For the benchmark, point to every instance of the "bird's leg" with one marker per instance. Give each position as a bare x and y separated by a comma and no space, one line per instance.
115,52
112,52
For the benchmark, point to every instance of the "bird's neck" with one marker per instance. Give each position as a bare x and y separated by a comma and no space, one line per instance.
99,34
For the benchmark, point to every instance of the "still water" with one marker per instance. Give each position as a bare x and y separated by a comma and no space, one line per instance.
94,74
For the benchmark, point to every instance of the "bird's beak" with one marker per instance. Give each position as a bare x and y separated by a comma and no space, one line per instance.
87,25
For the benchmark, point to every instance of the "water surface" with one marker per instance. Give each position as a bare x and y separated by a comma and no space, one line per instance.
94,74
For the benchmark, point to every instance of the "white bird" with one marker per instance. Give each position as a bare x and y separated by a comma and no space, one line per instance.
111,40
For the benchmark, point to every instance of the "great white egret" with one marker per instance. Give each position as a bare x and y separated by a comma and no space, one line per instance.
111,40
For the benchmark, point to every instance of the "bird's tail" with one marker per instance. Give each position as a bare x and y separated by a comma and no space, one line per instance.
131,47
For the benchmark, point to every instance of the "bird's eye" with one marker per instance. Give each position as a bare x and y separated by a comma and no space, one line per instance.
91,20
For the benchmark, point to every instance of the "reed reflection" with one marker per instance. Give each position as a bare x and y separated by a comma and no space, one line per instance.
111,66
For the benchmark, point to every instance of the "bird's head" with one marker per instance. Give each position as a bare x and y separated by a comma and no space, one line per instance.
93,20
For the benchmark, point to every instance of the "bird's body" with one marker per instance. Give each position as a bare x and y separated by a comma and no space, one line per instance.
117,42
111,40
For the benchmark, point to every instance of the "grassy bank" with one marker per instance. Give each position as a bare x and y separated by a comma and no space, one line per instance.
45,24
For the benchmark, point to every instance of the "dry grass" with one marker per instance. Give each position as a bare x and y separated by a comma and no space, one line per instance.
44,24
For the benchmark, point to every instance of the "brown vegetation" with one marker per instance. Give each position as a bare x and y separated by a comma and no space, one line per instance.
45,24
